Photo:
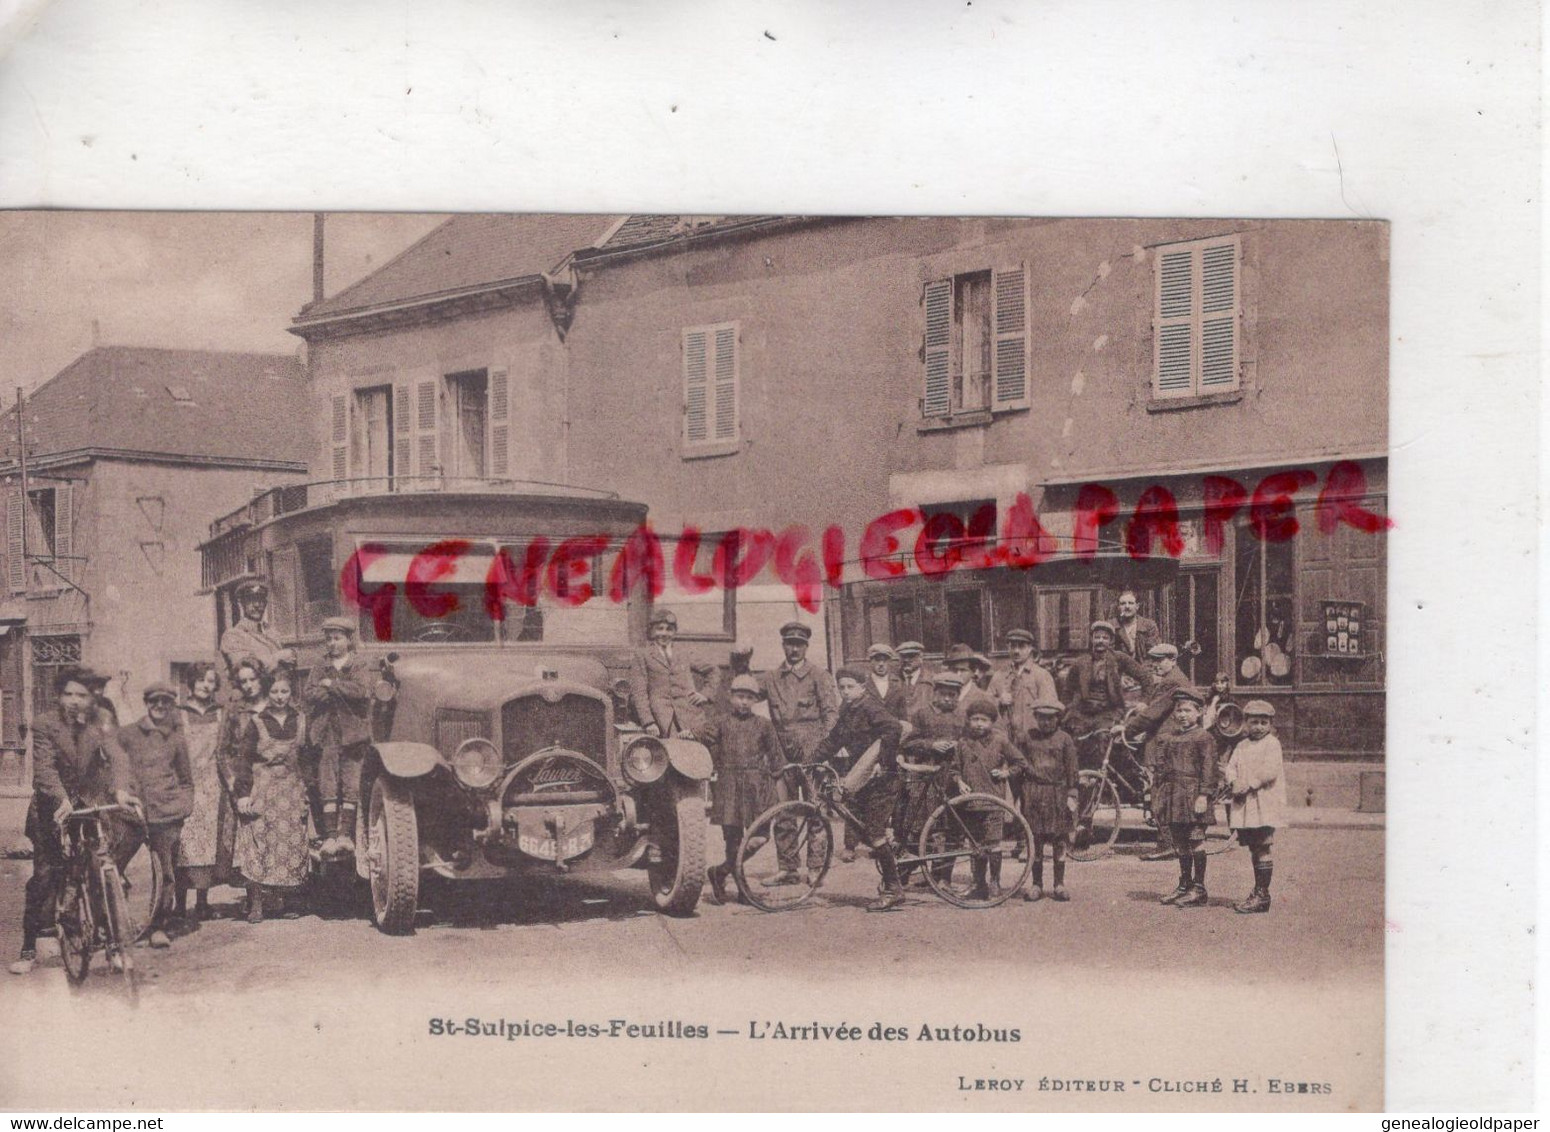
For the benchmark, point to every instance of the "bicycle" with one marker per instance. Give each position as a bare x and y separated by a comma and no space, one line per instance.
962,846
92,909
1119,783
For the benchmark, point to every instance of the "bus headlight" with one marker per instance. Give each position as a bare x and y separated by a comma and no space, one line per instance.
645,761
476,763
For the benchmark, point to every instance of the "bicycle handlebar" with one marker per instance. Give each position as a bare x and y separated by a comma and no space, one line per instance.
89,812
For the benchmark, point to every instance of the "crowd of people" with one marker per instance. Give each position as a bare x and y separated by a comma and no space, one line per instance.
1006,733
226,782
221,788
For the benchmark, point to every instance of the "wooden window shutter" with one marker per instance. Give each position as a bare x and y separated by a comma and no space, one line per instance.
938,302
15,567
64,532
500,426
339,436
696,388
1219,318
726,382
1010,289
427,455
1175,335
403,431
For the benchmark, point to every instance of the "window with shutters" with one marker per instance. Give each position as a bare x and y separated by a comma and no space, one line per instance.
50,561
975,345
371,438
415,437
711,373
1196,319
469,394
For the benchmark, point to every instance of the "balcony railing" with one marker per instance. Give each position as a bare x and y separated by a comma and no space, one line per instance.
290,498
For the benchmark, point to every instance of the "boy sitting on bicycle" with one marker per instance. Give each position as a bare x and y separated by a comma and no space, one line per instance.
984,763
76,762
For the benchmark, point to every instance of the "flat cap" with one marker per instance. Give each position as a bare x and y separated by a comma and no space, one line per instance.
1048,707
1259,708
881,650
745,683
796,631
910,647
253,588
1017,635
339,625
851,672
1163,652
947,680
663,617
1189,694
160,690
1106,626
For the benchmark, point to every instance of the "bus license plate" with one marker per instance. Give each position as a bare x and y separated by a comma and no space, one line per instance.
573,844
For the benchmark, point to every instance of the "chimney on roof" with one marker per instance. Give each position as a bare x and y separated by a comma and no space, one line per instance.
317,257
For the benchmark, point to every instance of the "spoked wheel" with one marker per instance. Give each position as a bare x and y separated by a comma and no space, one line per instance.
678,875
77,930
976,851
143,886
802,828
121,929
1096,825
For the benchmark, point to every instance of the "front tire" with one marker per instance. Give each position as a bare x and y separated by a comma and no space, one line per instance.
74,918
393,856
122,928
678,823
1097,817
964,863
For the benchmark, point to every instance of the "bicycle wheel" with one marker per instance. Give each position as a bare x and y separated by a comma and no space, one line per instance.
1096,825
796,830
144,886
966,845
77,930
121,928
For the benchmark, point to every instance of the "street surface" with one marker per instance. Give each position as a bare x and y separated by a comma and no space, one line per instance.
1109,973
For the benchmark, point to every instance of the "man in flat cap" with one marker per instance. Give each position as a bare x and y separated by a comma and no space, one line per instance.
164,777
882,684
917,685
249,636
1150,719
337,699
663,691
1094,692
1021,686
76,762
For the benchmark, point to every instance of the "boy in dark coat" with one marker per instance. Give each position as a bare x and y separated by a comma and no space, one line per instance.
1182,792
338,708
1049,794
984,760
747,756
933,738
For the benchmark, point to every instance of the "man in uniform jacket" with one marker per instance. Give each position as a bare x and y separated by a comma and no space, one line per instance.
249,636
158,757
1094,691
802,698
1151,719
662,687
76,762
1134,635
1025,683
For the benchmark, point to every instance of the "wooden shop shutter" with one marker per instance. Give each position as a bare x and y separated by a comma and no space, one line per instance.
696,387
938,301
500,427
339,436
1010,289
403,432
725,374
